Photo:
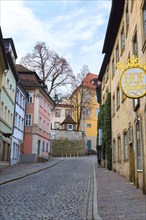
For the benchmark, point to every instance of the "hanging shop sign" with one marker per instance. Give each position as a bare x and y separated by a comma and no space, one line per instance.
133,78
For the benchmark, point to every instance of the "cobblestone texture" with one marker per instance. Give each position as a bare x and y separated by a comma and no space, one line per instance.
62,192
117,198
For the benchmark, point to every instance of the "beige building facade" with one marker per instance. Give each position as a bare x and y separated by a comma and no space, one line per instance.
126,37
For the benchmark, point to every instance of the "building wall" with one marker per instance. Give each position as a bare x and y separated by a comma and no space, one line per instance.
124,116
19,119
37,135
7,112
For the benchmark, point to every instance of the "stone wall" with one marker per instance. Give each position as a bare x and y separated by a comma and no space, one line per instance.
67,143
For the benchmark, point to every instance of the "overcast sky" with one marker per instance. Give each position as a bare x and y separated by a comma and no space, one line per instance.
74,29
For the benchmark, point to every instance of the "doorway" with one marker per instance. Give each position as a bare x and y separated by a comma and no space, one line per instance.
131,163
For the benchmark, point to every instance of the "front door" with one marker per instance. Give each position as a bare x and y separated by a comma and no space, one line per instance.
132,163
89,144
39,143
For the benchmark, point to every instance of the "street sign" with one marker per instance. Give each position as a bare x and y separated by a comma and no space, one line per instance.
133,78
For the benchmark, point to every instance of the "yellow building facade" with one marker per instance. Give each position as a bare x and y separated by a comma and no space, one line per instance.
86,110
125,37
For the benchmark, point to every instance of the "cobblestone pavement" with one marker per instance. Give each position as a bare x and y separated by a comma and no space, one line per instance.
62,192
117,198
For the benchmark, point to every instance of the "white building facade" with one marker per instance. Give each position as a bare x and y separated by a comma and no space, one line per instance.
18,132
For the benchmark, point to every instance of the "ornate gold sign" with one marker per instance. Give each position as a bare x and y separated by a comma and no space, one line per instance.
133,78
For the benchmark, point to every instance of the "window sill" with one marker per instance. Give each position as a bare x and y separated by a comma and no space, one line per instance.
140,171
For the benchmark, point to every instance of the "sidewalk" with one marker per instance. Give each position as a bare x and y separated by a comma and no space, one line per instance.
117,198
21,170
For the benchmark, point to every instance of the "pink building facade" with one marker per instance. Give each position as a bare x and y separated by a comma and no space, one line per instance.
38,115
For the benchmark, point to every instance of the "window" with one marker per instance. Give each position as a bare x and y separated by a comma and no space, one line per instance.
49,110
88,96
44,126
122,39
57,125
88,111
139,146
117,53
114,151
96,112
113,104
43,146
20,100
136,104
118,97
47,129
17,96
57,113
144,19
41,101
67,112
46,147
30,97
127,18
113,67
119,148
28,120
89,126
135,45
40,123
45,105
125,146
69,127
9,116
19,121
6,113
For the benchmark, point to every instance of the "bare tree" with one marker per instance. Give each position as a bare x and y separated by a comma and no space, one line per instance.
52,69
81,96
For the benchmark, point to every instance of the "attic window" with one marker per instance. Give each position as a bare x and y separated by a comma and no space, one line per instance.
70,127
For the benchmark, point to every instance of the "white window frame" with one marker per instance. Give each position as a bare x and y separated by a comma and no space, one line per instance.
30,97
68,127
28,121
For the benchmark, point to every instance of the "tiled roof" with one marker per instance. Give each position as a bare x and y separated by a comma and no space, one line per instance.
68,120
21,68
88,80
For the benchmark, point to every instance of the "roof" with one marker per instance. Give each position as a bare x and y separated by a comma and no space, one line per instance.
10,40
31,82
68,120
111,33
21,68
3,49
87,81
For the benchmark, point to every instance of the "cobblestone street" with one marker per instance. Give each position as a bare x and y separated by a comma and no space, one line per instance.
68,189
63,191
